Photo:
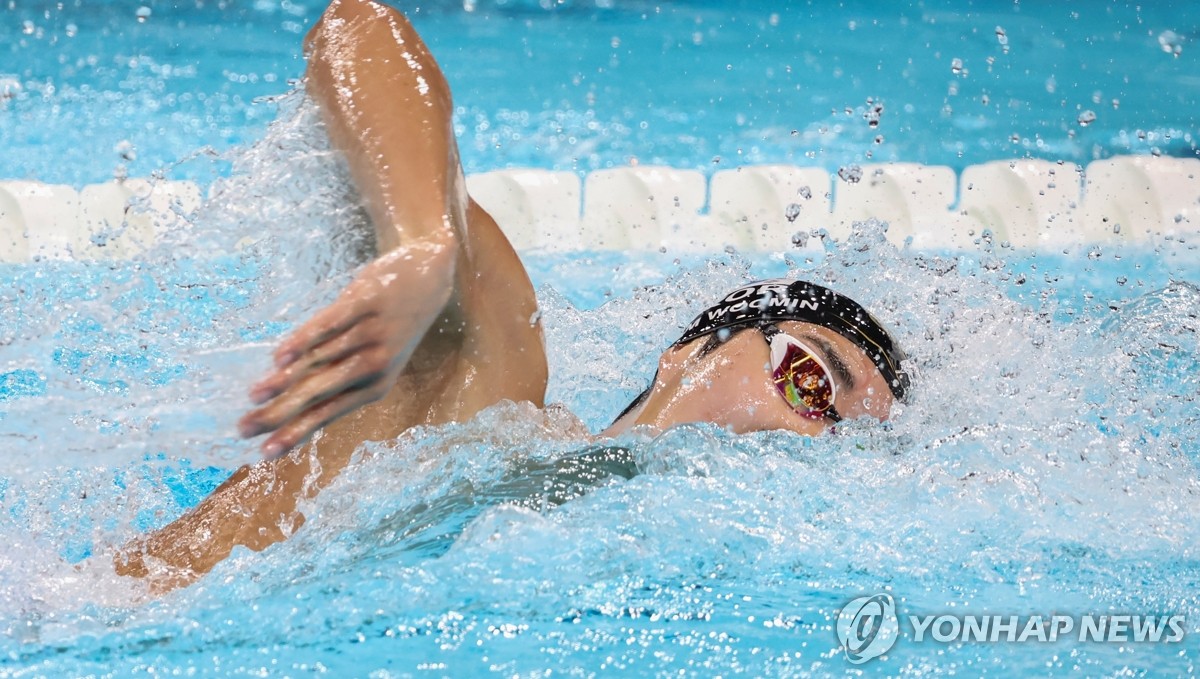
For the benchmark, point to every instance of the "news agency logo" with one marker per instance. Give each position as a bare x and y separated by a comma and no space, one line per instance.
869,626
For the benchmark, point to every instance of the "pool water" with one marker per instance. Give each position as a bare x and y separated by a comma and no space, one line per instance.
1047,463
86,89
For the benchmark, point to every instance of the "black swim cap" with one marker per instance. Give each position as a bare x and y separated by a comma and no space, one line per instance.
783,300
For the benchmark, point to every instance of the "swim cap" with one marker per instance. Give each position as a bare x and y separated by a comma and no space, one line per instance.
784,300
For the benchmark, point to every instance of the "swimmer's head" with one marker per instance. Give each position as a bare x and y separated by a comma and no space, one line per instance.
776,354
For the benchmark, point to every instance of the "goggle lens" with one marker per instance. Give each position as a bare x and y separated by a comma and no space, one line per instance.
801,378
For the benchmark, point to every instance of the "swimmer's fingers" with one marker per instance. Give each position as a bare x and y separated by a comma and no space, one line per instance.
363,375
300,429
334,319
362,335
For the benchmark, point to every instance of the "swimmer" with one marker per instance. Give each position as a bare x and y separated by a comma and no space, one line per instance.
443,323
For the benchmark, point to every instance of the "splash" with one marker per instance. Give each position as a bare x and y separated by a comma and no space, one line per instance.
1047,459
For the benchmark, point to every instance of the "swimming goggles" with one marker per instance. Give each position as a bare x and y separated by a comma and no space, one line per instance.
802,378
766,302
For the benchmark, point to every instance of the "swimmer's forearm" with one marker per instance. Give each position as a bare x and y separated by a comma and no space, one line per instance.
255,507
388,108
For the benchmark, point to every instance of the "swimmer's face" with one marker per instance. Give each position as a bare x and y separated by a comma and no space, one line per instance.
732,385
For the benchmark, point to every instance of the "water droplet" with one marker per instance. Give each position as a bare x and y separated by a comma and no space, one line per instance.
873,113
804,192
879,139
1002,38
143,13
1086,118
851,174
126,150
72,30
9,88
800,239
956,66
27,27
792,212
1122,280
1015,138
1171,42
1116,228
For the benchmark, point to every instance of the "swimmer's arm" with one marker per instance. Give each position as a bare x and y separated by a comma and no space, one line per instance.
387,107
411,181
254,507
447,279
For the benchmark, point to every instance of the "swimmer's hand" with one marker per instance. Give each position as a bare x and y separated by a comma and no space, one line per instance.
352,352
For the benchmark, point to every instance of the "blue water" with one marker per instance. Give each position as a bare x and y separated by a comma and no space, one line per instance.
697,84
1048,461
1047,464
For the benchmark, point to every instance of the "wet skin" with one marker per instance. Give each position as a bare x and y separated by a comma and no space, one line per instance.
732,386
442,325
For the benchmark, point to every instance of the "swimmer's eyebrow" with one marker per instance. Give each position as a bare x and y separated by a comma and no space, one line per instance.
835,360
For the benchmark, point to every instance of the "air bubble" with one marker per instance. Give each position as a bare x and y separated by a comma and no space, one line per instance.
804,192
851,174
792,212
1086,118
956,66
143,13
1171,43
